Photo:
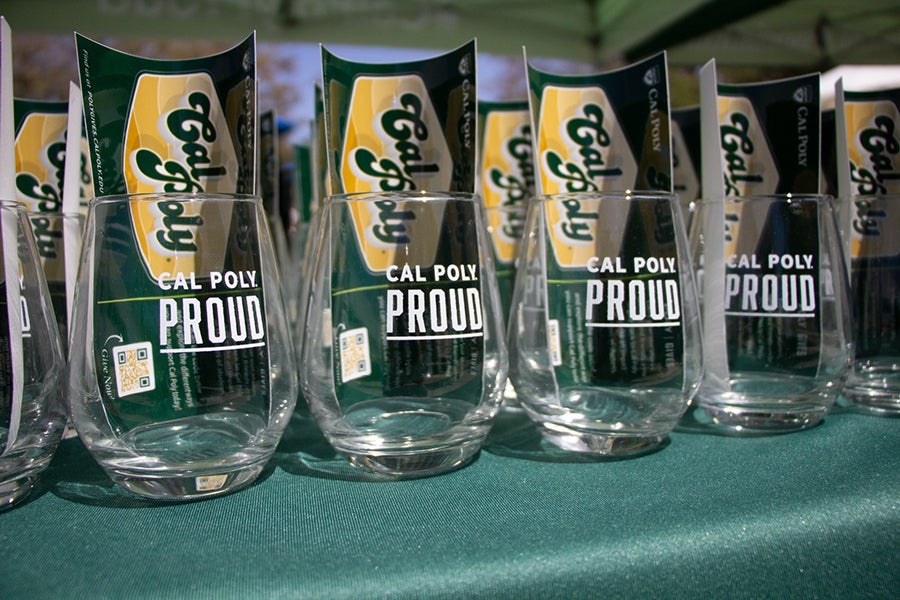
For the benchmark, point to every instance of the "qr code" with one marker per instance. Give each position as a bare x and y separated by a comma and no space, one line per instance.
555,346
134,368
355,359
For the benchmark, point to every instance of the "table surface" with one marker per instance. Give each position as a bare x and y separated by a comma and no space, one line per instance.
808,514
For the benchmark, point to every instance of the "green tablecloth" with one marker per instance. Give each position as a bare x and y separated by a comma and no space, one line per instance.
810,514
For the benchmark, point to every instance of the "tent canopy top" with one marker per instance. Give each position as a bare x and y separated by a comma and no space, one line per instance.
812,34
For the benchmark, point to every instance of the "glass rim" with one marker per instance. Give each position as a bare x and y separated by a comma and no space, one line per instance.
610,194
173,197
15,204
783,197
886,196
404,195
56,214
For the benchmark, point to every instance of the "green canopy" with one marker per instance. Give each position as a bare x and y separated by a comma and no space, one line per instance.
766,33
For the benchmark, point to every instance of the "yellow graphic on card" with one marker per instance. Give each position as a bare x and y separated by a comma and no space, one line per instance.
873,145
179,239
873,228
507,176
393,139
48,238
748,166
572,227
177,138
506,225
581,145
506,164
385,229
747,162
40,154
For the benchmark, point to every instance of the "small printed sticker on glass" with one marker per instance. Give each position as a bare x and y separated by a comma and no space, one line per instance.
555,347
134,368
355,358
210,483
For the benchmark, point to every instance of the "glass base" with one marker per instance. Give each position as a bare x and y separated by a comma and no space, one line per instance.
760,420
759,403
410,465
408,437
192,486
510,398
603,445
15,489
874,401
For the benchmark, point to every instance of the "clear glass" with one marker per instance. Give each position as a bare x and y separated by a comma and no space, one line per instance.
506,225
604,334
293,274
874,381
783,331
302,287
404,361
182,372
32,414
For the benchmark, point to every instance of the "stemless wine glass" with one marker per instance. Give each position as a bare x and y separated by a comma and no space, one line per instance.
604,333
182,373
780,348
873,384
32,415
404,361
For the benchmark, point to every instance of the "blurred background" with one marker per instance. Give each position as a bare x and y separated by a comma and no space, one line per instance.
750,40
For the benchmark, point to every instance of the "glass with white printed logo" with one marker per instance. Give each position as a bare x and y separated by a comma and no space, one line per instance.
873,385
776,314
182,373
32,414
604,333
404,362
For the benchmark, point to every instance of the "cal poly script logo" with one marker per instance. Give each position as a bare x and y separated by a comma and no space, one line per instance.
171,233
175,228
874,147
517,183
572,227
394,140
48,236
508,177
508,166
385,227
873,229
749,167
390,223
873,150
582,149
40,150
177,138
